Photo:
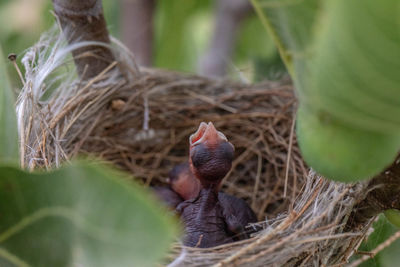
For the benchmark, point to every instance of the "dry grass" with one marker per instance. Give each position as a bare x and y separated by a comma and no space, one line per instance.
141,120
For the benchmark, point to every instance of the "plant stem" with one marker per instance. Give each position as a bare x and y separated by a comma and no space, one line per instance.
84,21
137,28
228,18
383,194
286,58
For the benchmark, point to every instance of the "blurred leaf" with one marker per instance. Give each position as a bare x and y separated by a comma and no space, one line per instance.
247,46
337,149
112,15
173,35
271,68
344,58
390,255
290,24
393,216
8,120
80,215
260,52
21,23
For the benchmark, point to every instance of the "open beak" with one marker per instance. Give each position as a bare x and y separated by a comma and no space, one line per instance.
198,134
208,135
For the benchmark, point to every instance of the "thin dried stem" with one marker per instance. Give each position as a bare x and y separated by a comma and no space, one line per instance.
289,154
375,251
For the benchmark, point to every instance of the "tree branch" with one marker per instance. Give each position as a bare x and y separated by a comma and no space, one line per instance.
137,29
383,194
230,14
84,21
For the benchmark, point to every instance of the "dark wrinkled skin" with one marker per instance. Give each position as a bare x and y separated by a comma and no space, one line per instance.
237,215
204,221
168,196
182,181
211,217
236,211
211,164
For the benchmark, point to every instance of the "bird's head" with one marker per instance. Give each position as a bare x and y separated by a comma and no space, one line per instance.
183,182
210,156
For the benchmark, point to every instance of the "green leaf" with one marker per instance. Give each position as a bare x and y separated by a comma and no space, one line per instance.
354,72
174,34
80,215
390,255
343,56
393,216
8,121
346,153
290,24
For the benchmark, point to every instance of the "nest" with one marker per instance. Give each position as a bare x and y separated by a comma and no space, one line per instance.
140,120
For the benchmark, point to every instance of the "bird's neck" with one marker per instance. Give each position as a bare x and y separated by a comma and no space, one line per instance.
213,186
209,200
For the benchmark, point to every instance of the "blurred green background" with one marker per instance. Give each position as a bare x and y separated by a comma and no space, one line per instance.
182,33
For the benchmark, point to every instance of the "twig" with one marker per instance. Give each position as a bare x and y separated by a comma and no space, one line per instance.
289,154
211,101
257,242
13,58
375,251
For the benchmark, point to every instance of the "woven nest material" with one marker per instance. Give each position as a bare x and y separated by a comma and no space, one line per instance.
141,120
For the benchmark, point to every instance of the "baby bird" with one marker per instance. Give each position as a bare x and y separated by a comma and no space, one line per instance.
236,210
167,196
182,181
211,217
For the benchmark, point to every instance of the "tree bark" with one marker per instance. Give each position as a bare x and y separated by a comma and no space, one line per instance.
230,14
84,21
137,29
383,194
